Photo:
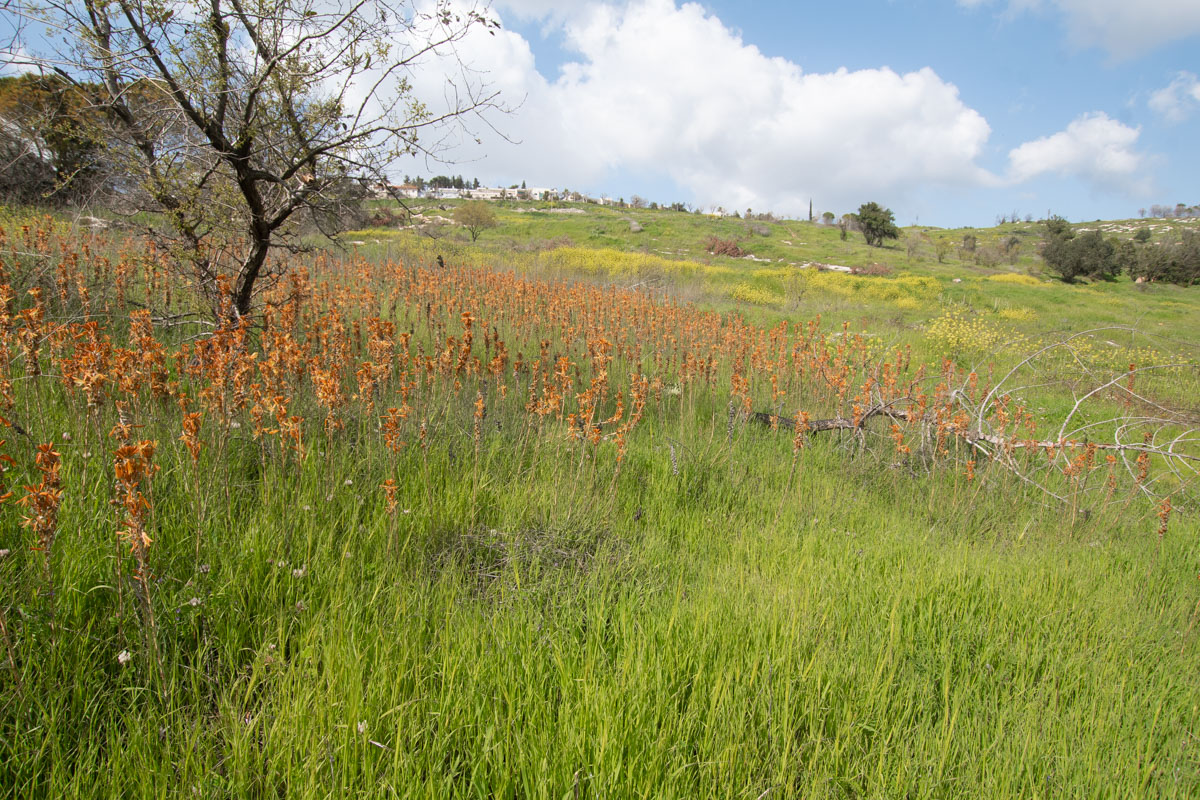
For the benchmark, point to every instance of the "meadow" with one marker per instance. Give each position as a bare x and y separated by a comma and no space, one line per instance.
568,517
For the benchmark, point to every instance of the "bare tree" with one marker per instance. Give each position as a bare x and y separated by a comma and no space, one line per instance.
237,116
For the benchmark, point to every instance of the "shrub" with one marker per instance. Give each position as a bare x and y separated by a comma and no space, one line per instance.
723,247
1086,255
476,216
1176,262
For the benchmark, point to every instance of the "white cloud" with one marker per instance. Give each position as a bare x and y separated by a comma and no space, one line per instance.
655,94
671,92
555,11
1094,148
14,61
1122,27
1178,99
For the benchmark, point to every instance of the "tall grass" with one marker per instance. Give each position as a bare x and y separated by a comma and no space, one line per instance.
551,598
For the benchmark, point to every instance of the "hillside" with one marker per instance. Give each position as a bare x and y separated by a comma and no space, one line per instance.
683,235
797,270
553,519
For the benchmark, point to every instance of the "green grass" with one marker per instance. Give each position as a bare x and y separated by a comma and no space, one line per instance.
878,636
714,618
672,245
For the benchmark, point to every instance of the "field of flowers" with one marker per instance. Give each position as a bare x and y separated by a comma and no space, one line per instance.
493,530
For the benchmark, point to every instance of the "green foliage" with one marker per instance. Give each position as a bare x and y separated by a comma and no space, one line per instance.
1072,256
1056,226
876,223
51,145
1171,261
476,216
942,247
719,616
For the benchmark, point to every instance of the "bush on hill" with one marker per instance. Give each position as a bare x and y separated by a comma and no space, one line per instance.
1086,255
723,247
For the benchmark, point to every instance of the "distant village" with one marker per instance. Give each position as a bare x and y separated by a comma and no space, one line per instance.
437,189
456,188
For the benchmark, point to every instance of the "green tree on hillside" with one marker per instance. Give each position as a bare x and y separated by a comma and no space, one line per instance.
942,246
476,216
877,223
1070,256
1171,261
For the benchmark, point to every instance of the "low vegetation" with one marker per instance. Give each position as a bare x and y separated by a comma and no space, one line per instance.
490,528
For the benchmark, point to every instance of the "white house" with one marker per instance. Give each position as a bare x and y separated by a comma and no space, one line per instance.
385,190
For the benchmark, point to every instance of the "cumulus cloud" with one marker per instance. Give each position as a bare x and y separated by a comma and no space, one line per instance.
14,60
1094,148
658,94
1123,28
1178,99
670,92
552,10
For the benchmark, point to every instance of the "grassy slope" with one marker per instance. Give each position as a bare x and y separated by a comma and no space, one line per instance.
1017,296
880,637
706,628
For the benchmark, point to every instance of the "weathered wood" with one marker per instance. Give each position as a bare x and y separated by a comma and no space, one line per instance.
820,425
972,436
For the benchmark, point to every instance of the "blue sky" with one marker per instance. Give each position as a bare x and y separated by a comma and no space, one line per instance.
950,112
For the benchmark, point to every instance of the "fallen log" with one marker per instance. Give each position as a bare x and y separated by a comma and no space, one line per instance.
970,436
831,424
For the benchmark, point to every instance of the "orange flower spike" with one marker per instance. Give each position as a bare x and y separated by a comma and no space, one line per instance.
801,427
390,488
1164,516
191,434
392,422
1143,464
43,502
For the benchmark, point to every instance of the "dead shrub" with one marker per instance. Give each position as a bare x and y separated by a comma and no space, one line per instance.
723,247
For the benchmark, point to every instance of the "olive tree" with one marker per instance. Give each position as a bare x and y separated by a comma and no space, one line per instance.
237,119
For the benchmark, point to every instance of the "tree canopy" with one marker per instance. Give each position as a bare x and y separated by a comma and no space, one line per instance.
51,149
876,223
1073,256
1171,260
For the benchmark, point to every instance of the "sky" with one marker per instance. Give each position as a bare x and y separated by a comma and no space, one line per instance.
949,112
